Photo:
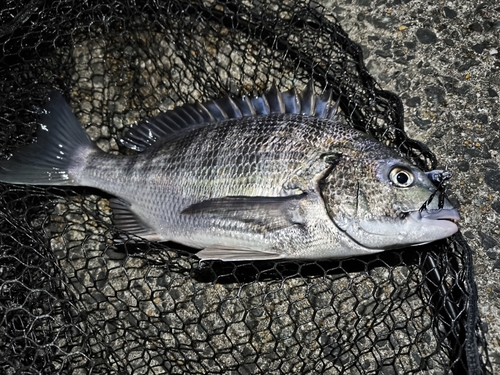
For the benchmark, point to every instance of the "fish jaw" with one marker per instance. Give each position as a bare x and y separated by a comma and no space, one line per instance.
417,228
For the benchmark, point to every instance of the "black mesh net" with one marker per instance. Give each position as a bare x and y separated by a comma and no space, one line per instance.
71,301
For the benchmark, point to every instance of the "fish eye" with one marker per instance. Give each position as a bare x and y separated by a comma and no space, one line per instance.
401,177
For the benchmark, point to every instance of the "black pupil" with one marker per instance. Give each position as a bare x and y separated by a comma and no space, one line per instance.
402,178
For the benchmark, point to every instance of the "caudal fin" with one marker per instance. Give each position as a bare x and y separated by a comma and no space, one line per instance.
61,141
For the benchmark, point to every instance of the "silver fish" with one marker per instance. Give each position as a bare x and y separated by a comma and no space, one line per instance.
270,177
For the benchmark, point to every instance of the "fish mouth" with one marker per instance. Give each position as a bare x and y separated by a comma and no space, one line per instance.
438,214
440,223
413,228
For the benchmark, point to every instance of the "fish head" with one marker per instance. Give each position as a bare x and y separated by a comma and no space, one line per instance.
382,201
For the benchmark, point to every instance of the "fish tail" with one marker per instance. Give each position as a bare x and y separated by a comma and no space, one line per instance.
56,156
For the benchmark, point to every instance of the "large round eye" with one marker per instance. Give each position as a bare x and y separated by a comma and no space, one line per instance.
401,177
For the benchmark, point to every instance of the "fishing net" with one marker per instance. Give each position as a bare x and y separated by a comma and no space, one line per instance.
72,301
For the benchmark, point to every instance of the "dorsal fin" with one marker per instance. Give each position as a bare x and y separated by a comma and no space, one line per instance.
215,110
229,107
308,100
205,113
275,100
291,100
245,105
333,109
146,133
261,105
322,104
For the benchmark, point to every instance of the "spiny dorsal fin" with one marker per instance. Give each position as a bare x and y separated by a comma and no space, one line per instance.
275,100
323,103
215,110
261,105
229,107
333,110
308,100
291,100
245,105
167,124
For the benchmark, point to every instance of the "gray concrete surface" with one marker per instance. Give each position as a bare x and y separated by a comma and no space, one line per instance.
443,60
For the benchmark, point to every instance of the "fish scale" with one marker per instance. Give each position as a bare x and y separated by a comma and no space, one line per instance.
194,162
175,170
271,177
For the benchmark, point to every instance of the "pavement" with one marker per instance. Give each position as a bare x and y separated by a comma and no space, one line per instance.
443,60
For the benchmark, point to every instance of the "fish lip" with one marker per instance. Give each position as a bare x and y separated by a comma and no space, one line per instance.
444,220
438,214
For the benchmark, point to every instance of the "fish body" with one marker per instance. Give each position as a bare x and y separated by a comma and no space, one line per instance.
277,176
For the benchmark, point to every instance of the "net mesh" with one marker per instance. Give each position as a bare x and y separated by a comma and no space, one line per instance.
71,301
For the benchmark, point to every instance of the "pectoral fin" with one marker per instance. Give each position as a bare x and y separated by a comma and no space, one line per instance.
265,214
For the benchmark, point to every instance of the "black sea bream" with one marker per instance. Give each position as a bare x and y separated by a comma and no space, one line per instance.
277,176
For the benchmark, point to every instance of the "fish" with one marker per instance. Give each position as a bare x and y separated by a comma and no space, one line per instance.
276,176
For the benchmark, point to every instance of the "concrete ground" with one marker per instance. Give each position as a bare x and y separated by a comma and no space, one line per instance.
443,60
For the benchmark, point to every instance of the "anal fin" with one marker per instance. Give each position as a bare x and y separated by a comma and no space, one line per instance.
228,254
125,219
